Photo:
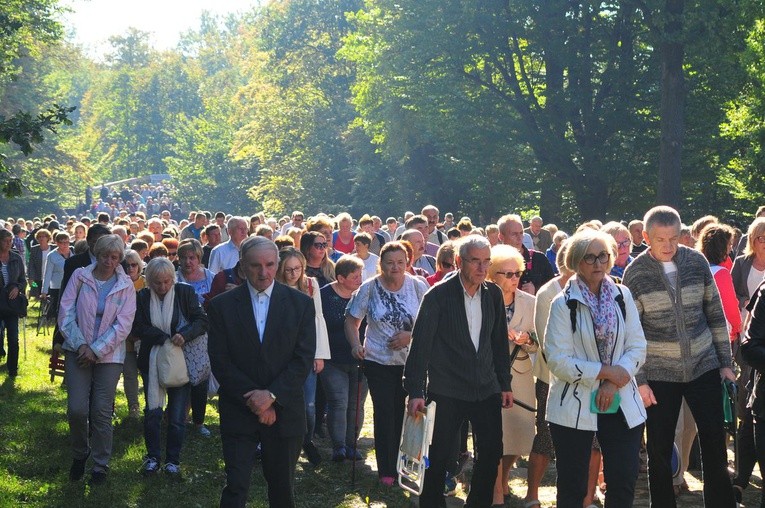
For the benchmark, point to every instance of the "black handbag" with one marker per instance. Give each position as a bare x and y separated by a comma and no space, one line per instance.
16,307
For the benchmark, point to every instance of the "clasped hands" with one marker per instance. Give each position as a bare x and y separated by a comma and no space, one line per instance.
261,404
85,356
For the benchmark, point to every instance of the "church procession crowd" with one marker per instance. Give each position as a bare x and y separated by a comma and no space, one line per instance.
605,350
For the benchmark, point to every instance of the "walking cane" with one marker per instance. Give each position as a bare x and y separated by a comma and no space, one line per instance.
356,428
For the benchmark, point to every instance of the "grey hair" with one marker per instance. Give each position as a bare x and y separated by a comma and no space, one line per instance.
661,216
472,242
131,254
578,244
257,242
158,267
109,243
613,227
502,222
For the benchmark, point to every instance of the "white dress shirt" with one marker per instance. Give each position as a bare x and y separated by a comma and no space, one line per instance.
261,300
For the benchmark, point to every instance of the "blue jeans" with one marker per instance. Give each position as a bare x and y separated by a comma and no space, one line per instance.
341,383
309,393
621,463
177,398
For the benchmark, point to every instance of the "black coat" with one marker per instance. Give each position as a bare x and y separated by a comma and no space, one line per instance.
186,304
753,351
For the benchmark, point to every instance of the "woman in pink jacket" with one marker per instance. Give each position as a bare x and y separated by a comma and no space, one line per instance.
95,317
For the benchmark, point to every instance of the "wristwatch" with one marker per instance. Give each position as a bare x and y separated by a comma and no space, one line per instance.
273,397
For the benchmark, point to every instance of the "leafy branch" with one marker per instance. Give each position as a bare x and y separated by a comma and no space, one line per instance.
25,130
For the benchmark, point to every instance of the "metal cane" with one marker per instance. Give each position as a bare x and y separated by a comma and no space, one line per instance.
356,428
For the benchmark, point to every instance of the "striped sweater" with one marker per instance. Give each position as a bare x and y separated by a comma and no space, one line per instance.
685,329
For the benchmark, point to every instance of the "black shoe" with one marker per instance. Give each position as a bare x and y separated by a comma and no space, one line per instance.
312,453
77,470
97,478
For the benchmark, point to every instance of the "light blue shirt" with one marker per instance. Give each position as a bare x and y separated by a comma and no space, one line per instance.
261,300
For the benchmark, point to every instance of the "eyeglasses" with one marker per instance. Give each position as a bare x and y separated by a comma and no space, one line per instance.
624,243
132,265
478,262
293,271
320,245
602,258
760,239
510,275
172,254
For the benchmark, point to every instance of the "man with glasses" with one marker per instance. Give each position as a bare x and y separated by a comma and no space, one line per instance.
538,270
688,353
540,238
621,235
296,222
459,348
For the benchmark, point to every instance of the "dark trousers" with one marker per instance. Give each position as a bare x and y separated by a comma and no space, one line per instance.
620,446
199,402
279,457
704,398
11,323
486,421
388,403
759,441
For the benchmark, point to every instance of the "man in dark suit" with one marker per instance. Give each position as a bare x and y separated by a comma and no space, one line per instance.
460,346
262,341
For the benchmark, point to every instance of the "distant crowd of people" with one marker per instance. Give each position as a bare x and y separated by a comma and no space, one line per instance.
595,349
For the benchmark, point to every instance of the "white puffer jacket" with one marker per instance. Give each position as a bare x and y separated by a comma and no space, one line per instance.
574,362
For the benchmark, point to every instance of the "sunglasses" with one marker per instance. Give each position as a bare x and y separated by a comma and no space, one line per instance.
602,258
320,245
510,275
172,254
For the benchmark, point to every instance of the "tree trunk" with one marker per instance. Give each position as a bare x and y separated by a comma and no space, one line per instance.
672,106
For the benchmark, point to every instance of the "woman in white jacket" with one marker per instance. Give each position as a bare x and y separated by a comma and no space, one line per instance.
291,272
594,345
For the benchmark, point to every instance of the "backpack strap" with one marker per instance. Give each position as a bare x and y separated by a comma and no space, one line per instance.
572,305
620,301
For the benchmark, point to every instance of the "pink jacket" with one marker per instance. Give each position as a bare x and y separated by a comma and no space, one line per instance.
77,315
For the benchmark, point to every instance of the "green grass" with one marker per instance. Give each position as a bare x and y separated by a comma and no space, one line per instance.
35,455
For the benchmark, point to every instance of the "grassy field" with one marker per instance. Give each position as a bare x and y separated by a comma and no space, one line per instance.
35,459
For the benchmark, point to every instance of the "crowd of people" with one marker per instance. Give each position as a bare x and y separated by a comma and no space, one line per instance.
595,349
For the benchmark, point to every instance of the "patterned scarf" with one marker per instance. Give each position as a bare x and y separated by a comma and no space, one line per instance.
603,310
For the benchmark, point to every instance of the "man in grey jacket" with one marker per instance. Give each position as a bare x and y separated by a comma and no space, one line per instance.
688,354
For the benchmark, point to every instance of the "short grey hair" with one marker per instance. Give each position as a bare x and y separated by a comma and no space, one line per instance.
131,255
505,219
613,227
578,244
159,267
109,243
661,216
257,242
472,242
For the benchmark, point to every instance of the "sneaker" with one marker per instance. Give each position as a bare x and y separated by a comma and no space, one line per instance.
450,485
77,470
203,431
150,466
352,454
172,469
97,478
338,455
312,453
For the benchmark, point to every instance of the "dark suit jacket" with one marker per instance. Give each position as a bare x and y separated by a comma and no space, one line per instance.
280,364
443,353
72,263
